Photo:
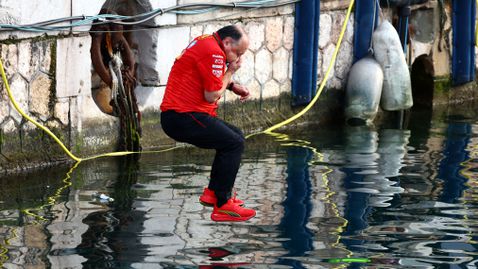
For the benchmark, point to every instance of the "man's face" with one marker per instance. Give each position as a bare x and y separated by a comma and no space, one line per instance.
235,48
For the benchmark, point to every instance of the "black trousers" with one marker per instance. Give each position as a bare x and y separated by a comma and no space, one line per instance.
205,131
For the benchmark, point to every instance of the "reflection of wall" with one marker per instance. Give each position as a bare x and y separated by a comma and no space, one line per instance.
67,229
373,163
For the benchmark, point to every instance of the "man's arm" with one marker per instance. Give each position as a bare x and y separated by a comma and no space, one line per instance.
213,96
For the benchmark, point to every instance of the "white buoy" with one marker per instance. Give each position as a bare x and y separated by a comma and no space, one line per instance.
364,88
388,51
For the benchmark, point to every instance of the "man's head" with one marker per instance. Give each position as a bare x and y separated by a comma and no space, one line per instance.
235,41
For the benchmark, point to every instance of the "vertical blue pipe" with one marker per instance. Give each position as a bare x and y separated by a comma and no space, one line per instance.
306,36
366,20
463,62
403,19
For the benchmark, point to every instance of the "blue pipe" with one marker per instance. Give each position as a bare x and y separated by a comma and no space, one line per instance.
403,21
306,36
366,20
463,62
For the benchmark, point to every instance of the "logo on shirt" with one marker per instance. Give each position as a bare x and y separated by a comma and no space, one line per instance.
217,66
217,73
217,56
218,61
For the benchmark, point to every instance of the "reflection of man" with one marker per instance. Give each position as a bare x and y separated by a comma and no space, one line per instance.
197,81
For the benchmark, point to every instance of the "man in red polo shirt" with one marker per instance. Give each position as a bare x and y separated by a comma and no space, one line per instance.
197,80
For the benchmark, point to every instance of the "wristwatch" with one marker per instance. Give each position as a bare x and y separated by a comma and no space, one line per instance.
229,87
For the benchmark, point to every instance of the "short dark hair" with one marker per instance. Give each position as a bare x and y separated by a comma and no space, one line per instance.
231,31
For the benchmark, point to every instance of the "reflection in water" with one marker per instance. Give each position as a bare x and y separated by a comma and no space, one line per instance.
373,163
297,206
458,136
111,240
364,198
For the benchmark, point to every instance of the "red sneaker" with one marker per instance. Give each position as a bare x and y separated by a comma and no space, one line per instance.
231,211
208,198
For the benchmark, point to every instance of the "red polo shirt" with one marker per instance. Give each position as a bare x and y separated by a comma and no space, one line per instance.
200,67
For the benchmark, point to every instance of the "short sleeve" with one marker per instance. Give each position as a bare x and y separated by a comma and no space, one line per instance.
211,69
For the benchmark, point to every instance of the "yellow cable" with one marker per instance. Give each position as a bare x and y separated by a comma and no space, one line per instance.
4,249
115,154
52,135
325,79
17,107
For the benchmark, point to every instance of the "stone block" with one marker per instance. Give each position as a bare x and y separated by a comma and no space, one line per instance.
88,109
19,88
326,59
338,19
246,72
74,118
271,89
149,98
62,110
263,67
325,30
286,87
29,126
4,105
73,62
213,27
53,124
344,61
280,66
168,50
254,88
27,62
40,95
10,59
349,32
44,50
274,33
8,126
196,31
291,65
289,26
256,32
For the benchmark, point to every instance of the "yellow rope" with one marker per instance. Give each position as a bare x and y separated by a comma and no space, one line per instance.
123,153
324,80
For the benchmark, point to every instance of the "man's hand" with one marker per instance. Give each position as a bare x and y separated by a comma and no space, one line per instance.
234,66
240,90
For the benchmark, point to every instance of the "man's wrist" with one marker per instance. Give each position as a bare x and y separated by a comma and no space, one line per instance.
230,86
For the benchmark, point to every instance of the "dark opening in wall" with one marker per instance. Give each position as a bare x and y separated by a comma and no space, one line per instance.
422,81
